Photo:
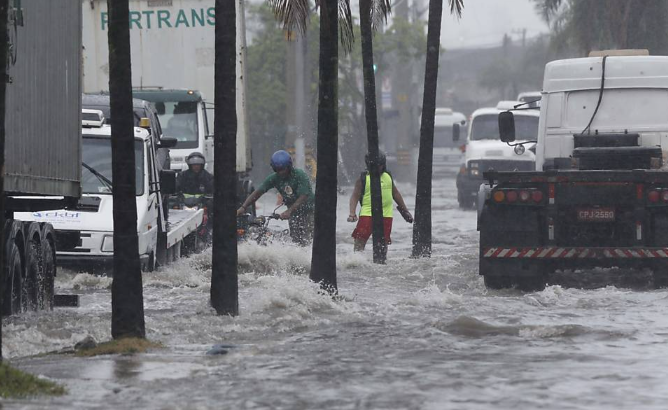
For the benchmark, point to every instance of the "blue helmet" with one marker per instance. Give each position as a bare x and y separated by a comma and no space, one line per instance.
280,160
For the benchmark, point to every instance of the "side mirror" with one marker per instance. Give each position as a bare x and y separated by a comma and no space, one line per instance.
167,142
507,126
455,132
168,182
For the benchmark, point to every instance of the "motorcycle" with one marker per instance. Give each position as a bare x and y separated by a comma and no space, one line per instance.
256,229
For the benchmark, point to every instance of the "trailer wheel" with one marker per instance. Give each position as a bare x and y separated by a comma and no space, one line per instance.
660,274
33,274
497,282
46,280
13,302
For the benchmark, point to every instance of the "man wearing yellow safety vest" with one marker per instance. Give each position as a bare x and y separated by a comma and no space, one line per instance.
362,194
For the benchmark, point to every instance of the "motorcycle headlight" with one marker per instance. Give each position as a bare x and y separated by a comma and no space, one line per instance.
108,244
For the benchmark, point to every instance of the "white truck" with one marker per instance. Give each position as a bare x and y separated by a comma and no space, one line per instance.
485,150
87,230
598,196
172,45
448,153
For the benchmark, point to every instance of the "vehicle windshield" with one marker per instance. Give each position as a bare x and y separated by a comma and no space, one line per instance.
96,155
486,127
179,120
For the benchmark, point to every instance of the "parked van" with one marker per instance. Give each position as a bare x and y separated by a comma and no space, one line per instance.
448,153
486,151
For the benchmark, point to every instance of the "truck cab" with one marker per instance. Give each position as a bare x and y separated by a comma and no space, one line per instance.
90,223
183,116
486,151
448,151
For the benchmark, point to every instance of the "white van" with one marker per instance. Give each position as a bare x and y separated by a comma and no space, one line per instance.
485,150
448,153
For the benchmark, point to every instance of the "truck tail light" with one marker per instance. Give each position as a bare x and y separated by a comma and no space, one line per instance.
499,196
524,196
653,196
664,196
537,196
511,196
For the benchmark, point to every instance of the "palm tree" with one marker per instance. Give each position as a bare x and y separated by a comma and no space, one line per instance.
604,24
372,12
224,275
4,5
127,300
422,227
294,13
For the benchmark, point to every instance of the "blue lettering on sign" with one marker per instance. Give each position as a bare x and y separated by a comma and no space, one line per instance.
166,19
57,215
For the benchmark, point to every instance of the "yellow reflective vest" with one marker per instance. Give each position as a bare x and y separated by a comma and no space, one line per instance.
385,191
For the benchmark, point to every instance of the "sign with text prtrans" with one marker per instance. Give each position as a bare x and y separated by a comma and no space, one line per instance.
172,43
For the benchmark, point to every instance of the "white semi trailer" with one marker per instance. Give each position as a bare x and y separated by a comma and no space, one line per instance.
172,66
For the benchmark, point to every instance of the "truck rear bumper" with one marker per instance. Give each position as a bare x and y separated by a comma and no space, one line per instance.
561,253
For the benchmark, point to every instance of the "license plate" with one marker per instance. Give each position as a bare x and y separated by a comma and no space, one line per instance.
596,214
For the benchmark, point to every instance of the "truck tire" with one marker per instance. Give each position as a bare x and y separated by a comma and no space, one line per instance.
660,274
13,297
497,282
46,280
33,272
465,201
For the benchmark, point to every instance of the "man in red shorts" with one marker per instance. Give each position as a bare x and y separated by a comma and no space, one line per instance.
362,194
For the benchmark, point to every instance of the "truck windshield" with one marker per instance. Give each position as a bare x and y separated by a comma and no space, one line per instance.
96,154
486,127
179,120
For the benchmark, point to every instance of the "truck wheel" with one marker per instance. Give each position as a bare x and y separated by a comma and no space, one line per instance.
465,201
46,280
660,275
534,283
33,273
13,302
497,282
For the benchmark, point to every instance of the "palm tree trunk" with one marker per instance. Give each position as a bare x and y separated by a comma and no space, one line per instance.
379,244
4,5
127,300
323,261
422,227
224,276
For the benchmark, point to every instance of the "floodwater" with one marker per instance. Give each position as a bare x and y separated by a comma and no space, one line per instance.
412,334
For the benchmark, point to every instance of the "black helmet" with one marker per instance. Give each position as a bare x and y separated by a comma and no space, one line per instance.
196,158
382,159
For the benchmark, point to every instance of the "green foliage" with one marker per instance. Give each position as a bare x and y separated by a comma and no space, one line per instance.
586,25
17,384
125,346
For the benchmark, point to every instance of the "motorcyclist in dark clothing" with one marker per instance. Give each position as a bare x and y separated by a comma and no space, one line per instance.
195,180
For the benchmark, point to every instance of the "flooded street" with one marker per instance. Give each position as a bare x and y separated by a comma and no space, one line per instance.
412,334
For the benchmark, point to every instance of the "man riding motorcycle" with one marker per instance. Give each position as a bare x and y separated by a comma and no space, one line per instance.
195,186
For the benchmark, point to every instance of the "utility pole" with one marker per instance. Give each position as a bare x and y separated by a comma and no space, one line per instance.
401,101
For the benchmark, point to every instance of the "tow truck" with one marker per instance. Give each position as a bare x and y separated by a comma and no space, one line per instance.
599,194
86,231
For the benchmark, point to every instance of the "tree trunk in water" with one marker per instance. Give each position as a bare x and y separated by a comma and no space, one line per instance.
4,5
323,260
379,244
224,279
127,300
422,227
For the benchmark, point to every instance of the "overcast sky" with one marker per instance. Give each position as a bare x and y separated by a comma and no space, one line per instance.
484,22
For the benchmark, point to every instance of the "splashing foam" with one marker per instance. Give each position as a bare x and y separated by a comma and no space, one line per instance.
432,296
274,258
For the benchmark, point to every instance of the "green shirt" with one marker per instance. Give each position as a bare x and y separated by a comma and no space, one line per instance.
291,188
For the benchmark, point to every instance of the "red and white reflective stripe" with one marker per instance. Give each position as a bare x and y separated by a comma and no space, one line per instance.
572,253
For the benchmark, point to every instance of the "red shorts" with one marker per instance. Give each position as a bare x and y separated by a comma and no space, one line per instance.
363,229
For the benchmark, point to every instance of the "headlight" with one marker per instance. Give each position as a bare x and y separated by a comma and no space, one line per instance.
108,244
475,172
